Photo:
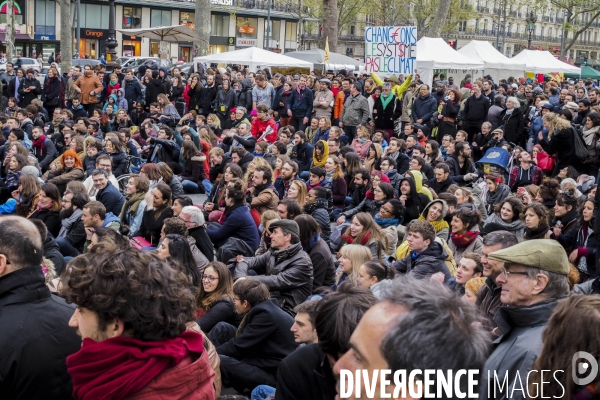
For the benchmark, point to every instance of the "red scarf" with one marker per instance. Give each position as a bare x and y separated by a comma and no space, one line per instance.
41,208
464,239
39,142
349,239
119,367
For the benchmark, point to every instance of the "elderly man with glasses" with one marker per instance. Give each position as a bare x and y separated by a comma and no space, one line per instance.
194,220
533,279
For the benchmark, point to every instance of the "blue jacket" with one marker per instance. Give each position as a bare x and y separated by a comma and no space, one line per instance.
324,135
536,126
423,108
111,198
279,186
238,224
110,218
303,155
304,105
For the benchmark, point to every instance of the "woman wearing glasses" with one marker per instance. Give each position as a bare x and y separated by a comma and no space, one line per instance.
215,298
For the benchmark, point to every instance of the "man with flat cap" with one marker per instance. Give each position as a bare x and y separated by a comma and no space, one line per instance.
533,279
323,101
287,269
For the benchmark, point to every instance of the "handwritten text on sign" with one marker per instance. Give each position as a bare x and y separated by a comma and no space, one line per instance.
391,49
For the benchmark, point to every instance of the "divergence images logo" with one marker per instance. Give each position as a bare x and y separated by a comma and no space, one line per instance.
580,367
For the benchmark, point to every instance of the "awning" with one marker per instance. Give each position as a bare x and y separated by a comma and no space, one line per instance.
19,36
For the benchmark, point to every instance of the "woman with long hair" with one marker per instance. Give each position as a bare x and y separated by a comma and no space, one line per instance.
590,132
535,217
497,191
168,177
167,109
352,164
364,231
298,192
215,298
11,181
374,275
214,123
158,208
448,111
175,88
193,174
27,195
132,212
506,217
580,242
465,236
176,249
362,142
433,155
114,149
280,160
151,171
323,129
351,257
320,154
339,189
122,120
215,202
560,141
71,169
466,199
51,91
576,318
565,213
192,93
373,159
48,208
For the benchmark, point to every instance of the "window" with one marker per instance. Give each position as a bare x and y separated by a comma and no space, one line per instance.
352,30
275,29
291,31
45,14
18,5
219,25
160,18
187,18
132,17
246,28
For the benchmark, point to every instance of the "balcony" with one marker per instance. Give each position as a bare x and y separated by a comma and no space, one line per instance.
351,38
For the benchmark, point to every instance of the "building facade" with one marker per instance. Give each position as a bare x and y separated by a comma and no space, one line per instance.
235,24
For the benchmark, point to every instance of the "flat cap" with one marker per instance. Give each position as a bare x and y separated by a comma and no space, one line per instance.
287,224
545,254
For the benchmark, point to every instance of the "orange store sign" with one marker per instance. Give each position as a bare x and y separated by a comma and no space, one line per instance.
247,29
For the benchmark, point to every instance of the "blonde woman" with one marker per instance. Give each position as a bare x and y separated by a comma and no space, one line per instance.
167,108
362,143
215,124
298,192
351,257
560,141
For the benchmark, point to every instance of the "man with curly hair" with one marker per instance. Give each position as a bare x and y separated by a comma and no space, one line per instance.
132,310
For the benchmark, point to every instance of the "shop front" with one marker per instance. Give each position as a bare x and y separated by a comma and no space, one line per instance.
93,43
132,46
47,45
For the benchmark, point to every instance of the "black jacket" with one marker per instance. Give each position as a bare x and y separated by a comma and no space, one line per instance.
225,101
384,118
440,187
151,225
303,155
203,242
562,145
27,97
415,203
320,210
153,89
111,198
52,253
265,340
119,163
50,218
244,96
305,374
51,91
476,109
429,262
207,98
36,338
514,126
323,267
133,92
456,173
222,311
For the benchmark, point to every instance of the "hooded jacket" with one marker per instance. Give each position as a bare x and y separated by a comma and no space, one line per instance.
319,210
259,127
415,203
518,347
441,232
288,273
427,263
225,101
244,96
303,155
88,83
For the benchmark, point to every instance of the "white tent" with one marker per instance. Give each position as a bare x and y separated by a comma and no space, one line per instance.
336,61
254,58
495,63
435,53
539,62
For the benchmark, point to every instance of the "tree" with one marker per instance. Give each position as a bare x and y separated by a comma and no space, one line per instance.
575,22
331,23
202,21
66,36
10,30
348,10
440,18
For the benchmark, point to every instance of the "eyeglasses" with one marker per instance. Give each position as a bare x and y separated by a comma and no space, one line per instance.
377,191
65,200
507,273
209,278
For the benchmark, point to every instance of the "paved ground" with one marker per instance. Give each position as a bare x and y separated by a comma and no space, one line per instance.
197,198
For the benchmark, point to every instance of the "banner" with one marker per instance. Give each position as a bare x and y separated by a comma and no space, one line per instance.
391,49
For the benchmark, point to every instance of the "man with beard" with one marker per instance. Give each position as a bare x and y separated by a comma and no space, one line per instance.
362,180
462,167
440,92
71,238
524,174
289,173
593,96
262,196
489,92
441,181
104,162
475,111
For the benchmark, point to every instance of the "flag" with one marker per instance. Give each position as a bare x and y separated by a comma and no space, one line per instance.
326,49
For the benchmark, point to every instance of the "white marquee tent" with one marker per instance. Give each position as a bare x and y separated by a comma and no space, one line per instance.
254,58
336,61
539,62
435,53
495,63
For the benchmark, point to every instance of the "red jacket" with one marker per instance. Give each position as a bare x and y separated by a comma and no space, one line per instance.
259,126
186,381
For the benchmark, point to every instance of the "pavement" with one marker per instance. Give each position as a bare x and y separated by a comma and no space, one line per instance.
198,198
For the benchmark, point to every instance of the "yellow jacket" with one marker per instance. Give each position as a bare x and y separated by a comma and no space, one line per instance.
398,90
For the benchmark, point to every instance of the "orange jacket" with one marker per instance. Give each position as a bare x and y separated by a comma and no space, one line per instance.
88,82
338,107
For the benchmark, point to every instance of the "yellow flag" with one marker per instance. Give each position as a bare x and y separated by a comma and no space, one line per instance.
326,49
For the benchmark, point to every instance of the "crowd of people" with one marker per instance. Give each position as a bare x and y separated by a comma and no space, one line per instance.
347,225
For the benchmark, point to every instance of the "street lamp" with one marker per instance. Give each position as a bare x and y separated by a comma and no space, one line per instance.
531,20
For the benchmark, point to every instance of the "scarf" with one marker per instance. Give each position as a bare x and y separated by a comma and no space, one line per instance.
133,202
314,239
318,203
385,101
67,223
385,222
41,208
346,237
509,111
362,140
39,142
463,240
438,225
119,367
537,233
329,175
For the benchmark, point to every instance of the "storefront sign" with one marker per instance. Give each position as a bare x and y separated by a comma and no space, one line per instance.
391,49
222,2
45,37
247,29
94,33
240,42
3,30
231,41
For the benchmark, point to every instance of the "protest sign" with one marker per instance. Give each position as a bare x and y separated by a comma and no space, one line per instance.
391,49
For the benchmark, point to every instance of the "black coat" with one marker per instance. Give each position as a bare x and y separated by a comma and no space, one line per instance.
36,338
265,340
224,102
52,91
52,253
222,311
119,163
323,267
152,225
27,97
456,173
50,218
514,126
561,144
207,98
203,242
384,118
195,98
305,374
153,89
